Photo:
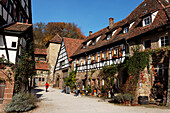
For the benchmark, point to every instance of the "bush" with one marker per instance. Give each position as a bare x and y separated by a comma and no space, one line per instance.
118,98
21,102
128,97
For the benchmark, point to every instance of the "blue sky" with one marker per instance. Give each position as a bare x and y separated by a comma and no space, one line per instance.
88,15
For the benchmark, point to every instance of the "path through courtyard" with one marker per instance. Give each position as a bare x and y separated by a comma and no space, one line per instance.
56,102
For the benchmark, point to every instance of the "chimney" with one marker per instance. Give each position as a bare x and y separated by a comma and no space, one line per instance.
111,22
90,33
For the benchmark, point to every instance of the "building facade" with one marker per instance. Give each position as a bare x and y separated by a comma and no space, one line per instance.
63,62
53,47
15,34
147,26
41,67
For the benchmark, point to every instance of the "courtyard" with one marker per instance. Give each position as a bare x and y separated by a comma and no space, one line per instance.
54,101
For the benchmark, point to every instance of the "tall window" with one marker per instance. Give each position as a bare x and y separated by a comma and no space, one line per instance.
146,21
164,41
104,55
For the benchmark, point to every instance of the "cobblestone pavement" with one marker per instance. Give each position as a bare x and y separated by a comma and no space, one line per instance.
56,102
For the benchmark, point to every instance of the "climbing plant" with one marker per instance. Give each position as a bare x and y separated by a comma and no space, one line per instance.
24,70
70,81
107,73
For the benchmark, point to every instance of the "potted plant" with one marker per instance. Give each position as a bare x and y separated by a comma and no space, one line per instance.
102,59
93,61
115,56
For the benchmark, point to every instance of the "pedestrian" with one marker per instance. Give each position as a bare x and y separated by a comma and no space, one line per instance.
46,86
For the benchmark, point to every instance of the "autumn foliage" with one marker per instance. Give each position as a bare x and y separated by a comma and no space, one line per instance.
44,32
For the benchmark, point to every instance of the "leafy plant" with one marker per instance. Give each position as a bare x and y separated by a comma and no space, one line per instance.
21,102
70,81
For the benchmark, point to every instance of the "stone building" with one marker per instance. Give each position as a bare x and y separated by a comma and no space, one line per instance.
146,26
53,47
63,62
41,67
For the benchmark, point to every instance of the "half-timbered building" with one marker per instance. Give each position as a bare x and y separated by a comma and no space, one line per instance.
146,26
15,35
63,63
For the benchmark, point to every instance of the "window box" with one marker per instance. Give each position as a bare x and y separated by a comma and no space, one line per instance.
77,65
115,56
102,59
93,61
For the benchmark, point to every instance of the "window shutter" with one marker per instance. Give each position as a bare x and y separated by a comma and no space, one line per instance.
120,52
112,52
96,57
107,54
101,55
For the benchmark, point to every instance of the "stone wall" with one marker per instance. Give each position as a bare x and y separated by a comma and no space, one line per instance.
9,85
52,54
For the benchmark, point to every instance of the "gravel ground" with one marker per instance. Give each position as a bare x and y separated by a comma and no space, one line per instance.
56,102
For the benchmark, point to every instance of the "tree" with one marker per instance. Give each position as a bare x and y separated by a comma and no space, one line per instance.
38,33
43,33
70,81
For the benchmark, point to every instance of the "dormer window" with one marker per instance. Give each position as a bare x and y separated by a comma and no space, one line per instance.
144,5
108,37
94,43
84,47
125,30
146,21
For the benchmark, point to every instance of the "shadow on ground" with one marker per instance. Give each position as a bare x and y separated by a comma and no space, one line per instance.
36,91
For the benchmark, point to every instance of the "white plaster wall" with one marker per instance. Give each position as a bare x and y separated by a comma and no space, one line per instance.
10,39
12,56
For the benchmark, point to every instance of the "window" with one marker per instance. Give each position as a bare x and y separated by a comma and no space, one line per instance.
94,43
126,29
164,41
43,79
1,41
13,44
84,47
146,21
144,5
108,37
104,55
39,79
147,44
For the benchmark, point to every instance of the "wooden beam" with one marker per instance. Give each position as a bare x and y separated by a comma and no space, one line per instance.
17,54
6,47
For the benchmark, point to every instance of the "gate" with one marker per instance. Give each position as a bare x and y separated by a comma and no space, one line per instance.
2,90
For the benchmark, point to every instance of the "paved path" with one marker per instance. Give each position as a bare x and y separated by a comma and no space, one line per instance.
56,102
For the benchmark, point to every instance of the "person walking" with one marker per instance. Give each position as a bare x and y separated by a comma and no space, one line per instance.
46,86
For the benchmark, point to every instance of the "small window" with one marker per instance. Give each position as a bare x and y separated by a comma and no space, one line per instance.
43,79
147,44
144,5
164,41
146,21
39,79
94,43
126,29
108,37
84,47
13,44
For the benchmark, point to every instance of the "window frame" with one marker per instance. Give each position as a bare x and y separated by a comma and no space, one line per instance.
144,22
125,30
164,41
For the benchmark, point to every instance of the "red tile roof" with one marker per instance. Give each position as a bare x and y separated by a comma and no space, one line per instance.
41,65
71,45
136,16
18,27
56,39
38,51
